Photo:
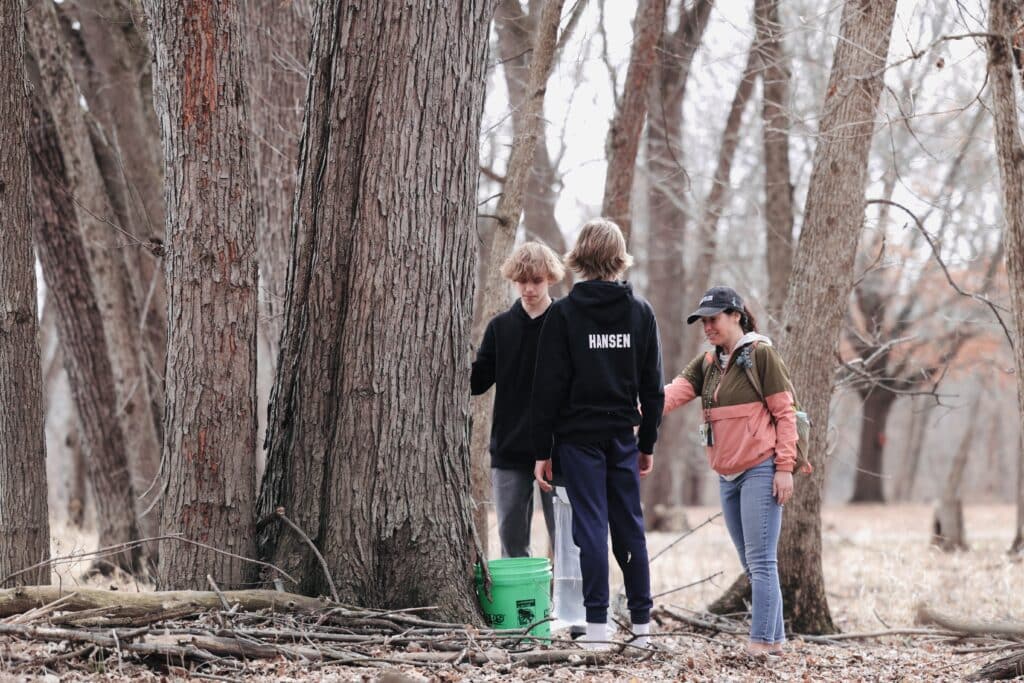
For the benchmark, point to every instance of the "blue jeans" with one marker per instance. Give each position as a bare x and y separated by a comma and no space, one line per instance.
754,520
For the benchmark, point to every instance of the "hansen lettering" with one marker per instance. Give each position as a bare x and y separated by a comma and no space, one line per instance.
609,341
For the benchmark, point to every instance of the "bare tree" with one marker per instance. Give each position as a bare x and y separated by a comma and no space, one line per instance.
527,138
778,189
65,268
900,346
1004,20
821,280
368,447
819,285
516,31
630,112
105,241
210,420
666,199
24,524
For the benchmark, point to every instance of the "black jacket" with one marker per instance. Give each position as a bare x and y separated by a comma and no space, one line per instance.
506,357
599,354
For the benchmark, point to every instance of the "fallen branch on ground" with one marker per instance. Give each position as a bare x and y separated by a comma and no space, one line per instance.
961,625
25,598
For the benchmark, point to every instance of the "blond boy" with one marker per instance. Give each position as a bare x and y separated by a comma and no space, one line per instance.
598,359
506,358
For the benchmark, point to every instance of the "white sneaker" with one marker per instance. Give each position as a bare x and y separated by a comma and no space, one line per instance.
641,631
596,637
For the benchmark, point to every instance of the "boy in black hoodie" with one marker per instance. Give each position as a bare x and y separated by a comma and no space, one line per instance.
506,358
598,356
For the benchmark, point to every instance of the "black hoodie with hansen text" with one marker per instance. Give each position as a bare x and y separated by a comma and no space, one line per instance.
598,357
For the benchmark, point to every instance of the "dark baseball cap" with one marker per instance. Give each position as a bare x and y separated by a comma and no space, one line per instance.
716,300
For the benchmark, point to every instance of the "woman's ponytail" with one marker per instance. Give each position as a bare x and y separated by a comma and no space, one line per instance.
748,323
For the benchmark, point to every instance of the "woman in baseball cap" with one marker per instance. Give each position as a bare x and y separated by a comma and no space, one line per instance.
750,442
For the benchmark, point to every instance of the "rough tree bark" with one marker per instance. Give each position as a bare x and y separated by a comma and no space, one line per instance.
1004,16
104,240
778,190
210,416
24,524
86,358
368,444
276,69
526,140
666,201
630,112
820,284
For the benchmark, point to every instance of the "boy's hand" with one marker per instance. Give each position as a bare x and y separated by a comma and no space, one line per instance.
646,464
542,473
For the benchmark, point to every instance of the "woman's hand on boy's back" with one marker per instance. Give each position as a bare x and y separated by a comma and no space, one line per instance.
542,473
646,464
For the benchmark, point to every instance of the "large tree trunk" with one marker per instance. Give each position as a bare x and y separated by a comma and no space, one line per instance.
778,190
105,244
24,522
819,287
276,69
869,480
368,443
1004,17
210,420
631,110
86,357
666,201
821,281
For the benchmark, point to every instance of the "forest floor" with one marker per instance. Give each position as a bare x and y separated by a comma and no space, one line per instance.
878,567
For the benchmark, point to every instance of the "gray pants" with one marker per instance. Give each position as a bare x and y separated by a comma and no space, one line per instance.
513,499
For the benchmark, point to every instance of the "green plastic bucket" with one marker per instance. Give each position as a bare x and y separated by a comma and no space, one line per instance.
520,594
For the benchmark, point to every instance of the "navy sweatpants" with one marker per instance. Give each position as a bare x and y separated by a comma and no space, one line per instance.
603,483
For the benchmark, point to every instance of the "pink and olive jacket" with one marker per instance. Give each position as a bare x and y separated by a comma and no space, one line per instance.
745,434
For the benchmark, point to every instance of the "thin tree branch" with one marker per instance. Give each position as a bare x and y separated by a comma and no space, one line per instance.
938,258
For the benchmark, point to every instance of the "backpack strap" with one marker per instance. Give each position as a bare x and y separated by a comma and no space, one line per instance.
705,368
754,379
